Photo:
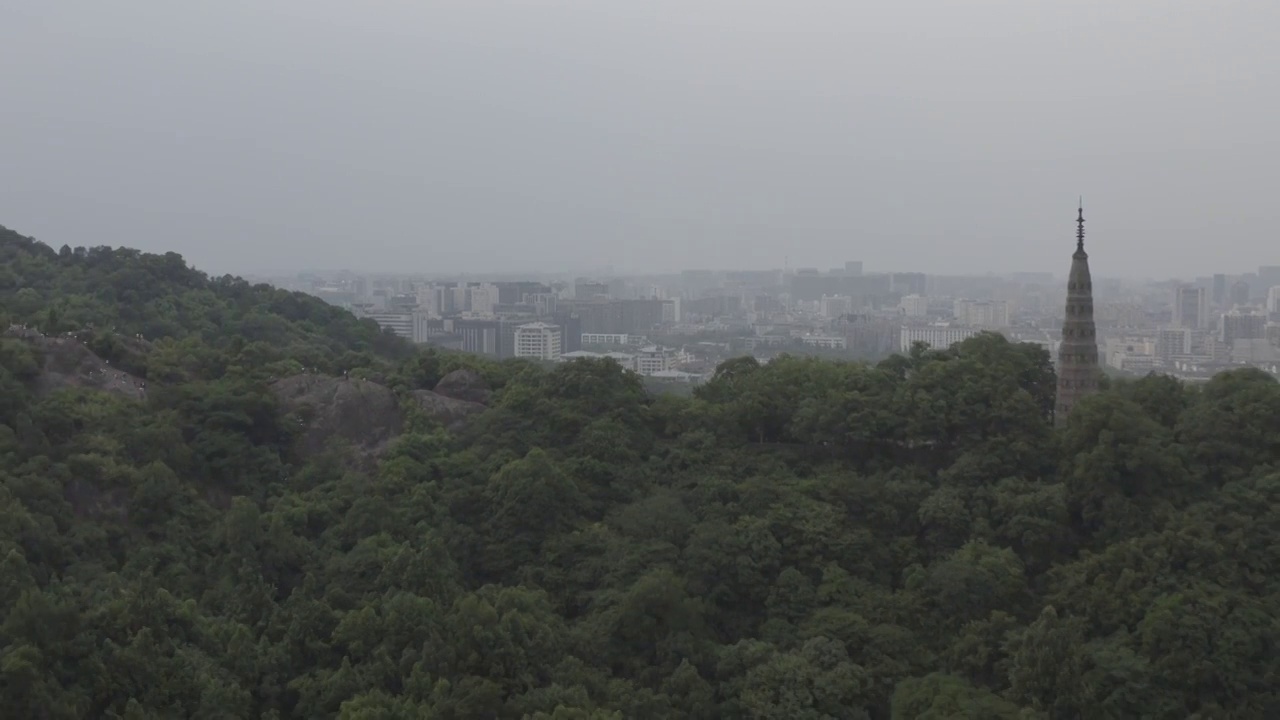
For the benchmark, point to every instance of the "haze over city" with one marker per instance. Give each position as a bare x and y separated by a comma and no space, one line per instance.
547,136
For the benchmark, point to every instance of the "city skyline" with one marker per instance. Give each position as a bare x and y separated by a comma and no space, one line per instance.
678,327
570,273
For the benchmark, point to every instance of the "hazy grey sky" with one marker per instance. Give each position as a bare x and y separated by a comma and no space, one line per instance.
647,134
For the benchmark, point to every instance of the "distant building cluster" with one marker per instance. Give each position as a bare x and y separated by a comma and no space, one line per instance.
1204,326
696,318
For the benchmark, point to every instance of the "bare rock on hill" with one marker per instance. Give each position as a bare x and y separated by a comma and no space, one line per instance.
365,414
362,413
450,412
67,362
465,385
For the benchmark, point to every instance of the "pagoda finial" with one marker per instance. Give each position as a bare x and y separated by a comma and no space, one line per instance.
1080,227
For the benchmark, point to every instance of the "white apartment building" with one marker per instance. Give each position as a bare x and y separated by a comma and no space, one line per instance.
984,314
655,358
834,306
671,310
1273,300
427,301
914,306
482,298
539,341
437,300
399,323
938,337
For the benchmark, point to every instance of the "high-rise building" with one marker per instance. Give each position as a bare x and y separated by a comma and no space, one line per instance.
426,327
439,300
1219,289
514,292
1239,292
1237,325
984,313
480,299
584,289
766,304
570,331
1078,352
1273,300
671,311
870,334
1268,276
834,306
914,306
1171,342
640,316
1190,308
539,341
544,304
909,283
483,337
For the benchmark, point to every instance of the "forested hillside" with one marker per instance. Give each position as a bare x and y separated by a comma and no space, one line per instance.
240,536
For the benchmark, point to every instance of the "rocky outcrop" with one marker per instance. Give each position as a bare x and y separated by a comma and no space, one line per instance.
364,414
67,362
464,385
448,411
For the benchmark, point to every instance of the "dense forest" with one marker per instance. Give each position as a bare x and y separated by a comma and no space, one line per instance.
800,540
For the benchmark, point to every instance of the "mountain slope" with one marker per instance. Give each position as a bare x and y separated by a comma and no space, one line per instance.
127,293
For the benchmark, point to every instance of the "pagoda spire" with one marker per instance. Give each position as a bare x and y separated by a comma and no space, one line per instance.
1080,226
